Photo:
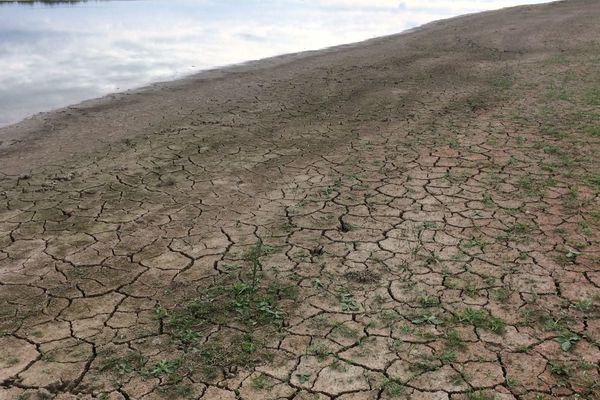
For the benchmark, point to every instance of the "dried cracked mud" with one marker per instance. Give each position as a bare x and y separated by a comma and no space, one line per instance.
414,217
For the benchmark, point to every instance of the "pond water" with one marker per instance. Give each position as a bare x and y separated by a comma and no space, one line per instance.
53,55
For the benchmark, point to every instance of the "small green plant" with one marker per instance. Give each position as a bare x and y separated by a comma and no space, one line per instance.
347,301
427,319
501,294
164,368
259,382
426,364
457,379
319,350
454,340
448,356
487,200
567,340
393,387
337,365
131,362
479,395
248,345
254,256
428,301
316,283
481,319
572,255
510,381
303,378
585,305
560,369
470,289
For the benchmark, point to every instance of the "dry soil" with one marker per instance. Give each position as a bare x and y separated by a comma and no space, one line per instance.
415,217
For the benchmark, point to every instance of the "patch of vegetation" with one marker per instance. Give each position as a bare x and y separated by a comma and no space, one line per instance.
567,340
122,365
502,294
480,395
345,331
428,301
393,387
448,356
259,382
454,340
303,378
319,350
163,368
585,305
481,319
239,296
593,97
427,318
544,319
560,369
426,364
347,300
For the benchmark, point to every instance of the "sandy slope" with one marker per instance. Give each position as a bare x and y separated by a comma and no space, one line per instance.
421,211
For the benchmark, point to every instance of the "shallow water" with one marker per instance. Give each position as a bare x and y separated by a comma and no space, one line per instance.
55,55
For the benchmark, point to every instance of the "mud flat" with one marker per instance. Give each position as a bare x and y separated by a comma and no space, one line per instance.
416,216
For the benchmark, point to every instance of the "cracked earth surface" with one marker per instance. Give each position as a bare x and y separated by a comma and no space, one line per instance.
414,217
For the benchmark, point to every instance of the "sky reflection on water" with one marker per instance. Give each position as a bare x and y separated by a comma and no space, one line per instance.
53,56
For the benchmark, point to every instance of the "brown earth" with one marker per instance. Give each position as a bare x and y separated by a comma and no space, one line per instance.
412,217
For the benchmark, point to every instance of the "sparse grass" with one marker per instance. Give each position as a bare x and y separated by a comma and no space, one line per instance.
163,368
448,356
487,200
543,319
503,82
259,382
481,319
364,277
239,296
480,395
560,368
426,364
593,97
178,390
122,365
393,387
10,361
428,301
427,318
454,340
502,294
585,305
319,350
